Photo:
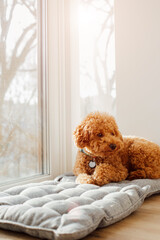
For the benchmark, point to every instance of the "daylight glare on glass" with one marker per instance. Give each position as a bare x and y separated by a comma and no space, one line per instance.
20,127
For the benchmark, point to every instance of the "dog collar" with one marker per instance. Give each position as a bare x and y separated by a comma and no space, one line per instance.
92,163
83,151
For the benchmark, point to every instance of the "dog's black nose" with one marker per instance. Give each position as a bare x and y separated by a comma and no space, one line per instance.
112,146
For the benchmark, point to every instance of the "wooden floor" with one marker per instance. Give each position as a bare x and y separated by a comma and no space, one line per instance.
144,224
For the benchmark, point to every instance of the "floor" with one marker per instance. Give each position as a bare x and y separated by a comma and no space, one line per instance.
144,224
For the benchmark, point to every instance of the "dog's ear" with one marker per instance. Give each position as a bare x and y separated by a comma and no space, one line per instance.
118,133
81,136
116,130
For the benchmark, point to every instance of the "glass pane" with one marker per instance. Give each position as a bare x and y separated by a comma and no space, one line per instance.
20,116
97,56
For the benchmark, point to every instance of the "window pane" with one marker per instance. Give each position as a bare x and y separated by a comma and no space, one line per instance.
20,116
97,56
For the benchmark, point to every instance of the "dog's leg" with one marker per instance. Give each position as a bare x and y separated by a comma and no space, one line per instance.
144,158
106,173
147,172
137,174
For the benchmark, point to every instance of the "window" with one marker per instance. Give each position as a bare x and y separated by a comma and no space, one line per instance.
57,65
22,90
97,56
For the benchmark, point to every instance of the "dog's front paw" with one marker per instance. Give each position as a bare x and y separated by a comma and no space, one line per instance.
84,178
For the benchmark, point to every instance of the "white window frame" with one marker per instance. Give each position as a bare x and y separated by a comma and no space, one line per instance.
59,68
63,71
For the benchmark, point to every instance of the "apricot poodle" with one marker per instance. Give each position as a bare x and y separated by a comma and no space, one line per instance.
105,156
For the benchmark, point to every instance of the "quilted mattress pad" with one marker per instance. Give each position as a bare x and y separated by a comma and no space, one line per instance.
61,209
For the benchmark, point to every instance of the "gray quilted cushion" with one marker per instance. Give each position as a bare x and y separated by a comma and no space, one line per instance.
62,209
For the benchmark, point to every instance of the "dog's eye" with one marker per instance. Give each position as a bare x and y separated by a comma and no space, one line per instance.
100,135
112,133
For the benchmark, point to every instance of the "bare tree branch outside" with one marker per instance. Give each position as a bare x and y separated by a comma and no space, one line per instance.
97,56
20,130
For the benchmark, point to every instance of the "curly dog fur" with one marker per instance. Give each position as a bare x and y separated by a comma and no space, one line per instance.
105,156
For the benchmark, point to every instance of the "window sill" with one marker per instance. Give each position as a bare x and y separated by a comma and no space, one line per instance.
27,180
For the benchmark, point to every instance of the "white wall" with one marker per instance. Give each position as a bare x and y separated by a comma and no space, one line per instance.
138,67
